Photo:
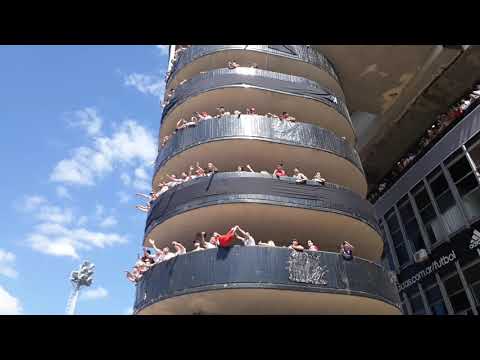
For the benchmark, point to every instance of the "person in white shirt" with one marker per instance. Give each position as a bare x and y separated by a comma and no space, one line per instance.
179,247
248,240
197,246
296,246
222,111
163,188
300,178
207,245
268,243
318,178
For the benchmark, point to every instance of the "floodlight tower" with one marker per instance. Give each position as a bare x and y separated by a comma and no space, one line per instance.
82,277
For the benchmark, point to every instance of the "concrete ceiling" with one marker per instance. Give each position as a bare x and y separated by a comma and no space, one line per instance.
385,81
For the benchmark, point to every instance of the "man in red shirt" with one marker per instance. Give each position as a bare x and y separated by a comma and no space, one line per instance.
279,171
227,239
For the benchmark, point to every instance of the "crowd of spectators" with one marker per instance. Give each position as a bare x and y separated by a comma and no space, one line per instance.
197,171
433,134
198,117
148,260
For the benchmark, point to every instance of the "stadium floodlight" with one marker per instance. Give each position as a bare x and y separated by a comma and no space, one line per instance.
82,277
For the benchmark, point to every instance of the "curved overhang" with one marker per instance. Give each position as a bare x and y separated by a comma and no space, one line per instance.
263,280
267,207
298,60
262,142
267,91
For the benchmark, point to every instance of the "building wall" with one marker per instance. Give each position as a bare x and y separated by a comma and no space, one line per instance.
436,206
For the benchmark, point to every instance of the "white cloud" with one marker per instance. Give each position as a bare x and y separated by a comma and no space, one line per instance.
31,202
82,220
93,294
123,197
141,179
87,119
9,305
54,214
131,143
7,260
59,240
146,84
99,210
125,179
62,192
163,49
108,222
55,234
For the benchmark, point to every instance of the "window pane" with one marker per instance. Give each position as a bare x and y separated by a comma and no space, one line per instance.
450,212
467,184
472,274
392,220
432,224
406,212
417,305
475,153
438,309
433,294
460,169
422,199
453,284
476,292
414,235
471,203
402,255
439,185
397,238
459,302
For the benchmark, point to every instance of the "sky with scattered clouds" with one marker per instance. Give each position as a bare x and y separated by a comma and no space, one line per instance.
79,138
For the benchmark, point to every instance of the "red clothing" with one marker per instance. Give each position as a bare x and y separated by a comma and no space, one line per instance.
280,172
226,240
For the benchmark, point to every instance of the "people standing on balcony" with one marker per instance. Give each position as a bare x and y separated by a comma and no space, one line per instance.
135,275
278,172
237,113
311,246
183,124
247,240
346,250
318,178
268,243
296,245
233,65
179,247
143,208
163,188
222,112
197,246
165,140
299,177
226,240
211,169
251,111
211,244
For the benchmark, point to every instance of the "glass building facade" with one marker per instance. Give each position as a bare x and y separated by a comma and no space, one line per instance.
435,208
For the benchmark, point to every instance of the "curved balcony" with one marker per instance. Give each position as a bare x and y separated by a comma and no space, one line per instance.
262,142
298,60
266,281
267,207
267,91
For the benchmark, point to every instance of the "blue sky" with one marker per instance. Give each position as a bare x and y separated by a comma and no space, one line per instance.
79,129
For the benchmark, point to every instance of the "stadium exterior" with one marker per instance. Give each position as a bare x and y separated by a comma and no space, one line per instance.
334,92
